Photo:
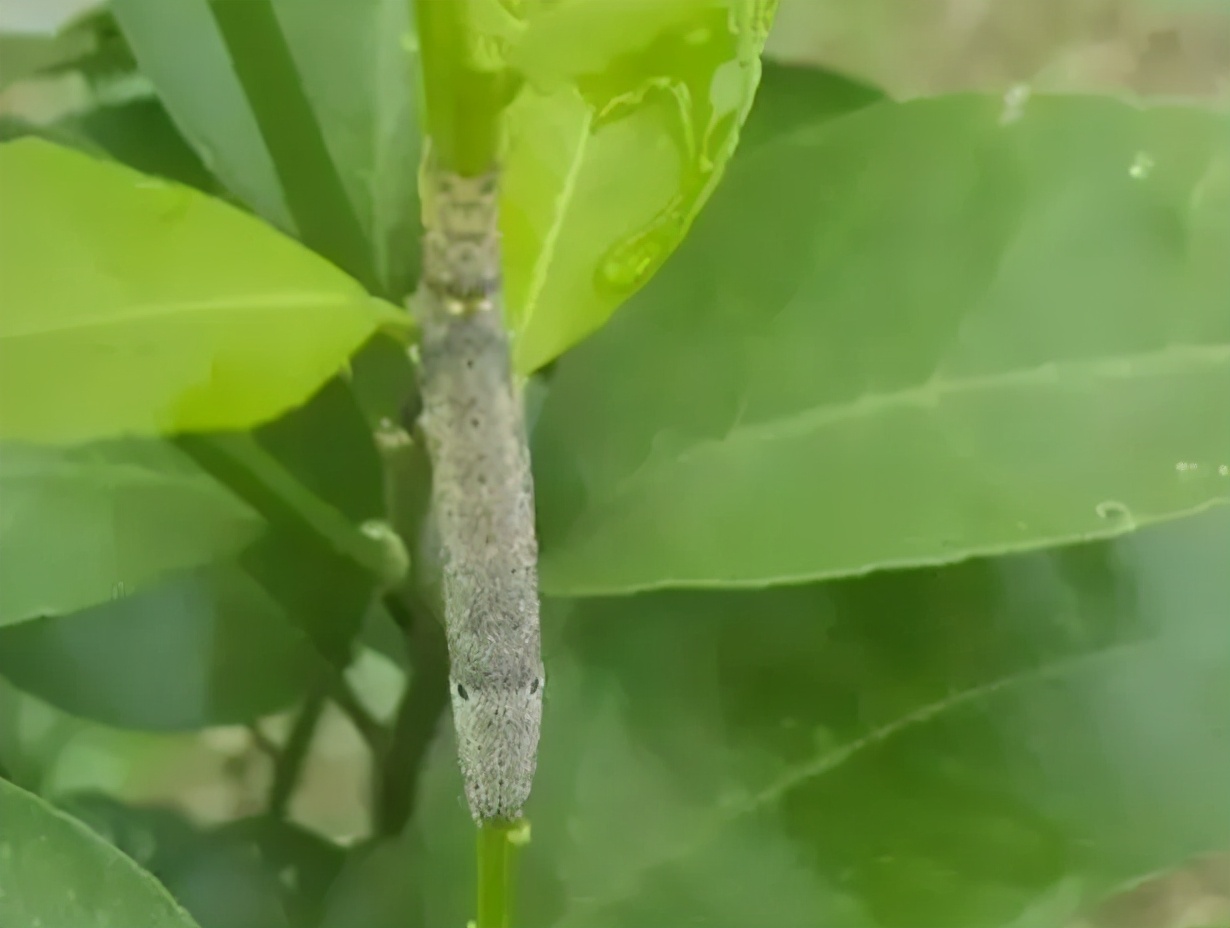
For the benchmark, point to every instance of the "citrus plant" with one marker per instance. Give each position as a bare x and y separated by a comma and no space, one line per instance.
880,451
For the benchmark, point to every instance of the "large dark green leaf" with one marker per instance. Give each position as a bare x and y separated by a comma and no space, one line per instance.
796,97
240,638
136,306
56,873
257,872
305,109
204,647
938,748
139,133
84,525
919,332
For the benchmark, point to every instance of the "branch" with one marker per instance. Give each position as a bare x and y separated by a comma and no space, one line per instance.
288,766
418,716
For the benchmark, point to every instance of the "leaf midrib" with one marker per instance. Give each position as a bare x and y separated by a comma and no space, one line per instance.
932,393
550,243
798,774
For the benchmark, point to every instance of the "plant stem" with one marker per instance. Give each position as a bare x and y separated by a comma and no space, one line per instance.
289,764
496,841
418,717
462,101
263,742
367,725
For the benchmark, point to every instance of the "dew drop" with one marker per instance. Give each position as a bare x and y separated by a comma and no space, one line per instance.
629,262
394,558
1014,104
698,36
519,835
390,436
1142,166
1113,510
1224,470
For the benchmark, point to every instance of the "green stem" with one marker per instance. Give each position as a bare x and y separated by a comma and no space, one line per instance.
289,764
496,842
463,102
418,718
367,725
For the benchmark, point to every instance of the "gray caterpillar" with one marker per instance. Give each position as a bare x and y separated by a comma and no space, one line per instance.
482,494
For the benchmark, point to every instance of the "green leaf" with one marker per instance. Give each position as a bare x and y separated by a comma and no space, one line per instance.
140,134
85,525
51,18
45,38
56,873
137,306
315,475
917,333
209,646
25,56
305,863
180,49
373,890
359,69
323,216
145,834
256,872
304,109
797,97
616,140
966,747
224,883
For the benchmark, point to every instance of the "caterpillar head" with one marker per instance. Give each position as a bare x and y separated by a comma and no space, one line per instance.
498,723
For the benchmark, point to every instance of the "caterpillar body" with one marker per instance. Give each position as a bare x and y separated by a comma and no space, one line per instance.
482,494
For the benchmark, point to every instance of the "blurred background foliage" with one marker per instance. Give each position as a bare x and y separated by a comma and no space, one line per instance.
940,746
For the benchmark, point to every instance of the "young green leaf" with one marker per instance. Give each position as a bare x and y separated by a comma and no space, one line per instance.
136,306
56,873
917,333
83,524
620,133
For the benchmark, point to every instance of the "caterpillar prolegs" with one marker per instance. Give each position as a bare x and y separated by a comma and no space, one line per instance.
482,494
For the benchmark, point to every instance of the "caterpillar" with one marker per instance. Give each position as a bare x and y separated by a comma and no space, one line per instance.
482,493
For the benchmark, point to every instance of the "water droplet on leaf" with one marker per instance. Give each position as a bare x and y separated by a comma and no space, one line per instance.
1014,104
1113,510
